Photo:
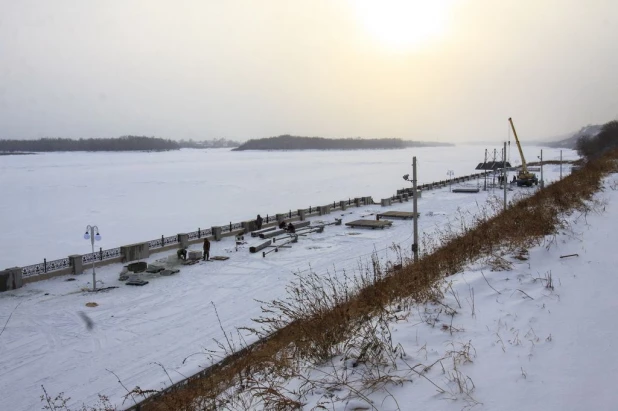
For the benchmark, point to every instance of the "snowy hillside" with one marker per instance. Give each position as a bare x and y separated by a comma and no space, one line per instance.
590,130
538,335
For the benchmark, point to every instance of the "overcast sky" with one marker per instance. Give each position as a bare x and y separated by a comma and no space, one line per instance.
436,70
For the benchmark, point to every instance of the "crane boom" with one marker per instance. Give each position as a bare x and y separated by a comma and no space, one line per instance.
521,153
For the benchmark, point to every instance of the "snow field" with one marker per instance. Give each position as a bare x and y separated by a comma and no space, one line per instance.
171,321
538,336
48,199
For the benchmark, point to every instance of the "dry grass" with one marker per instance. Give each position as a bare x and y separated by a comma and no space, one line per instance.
344,316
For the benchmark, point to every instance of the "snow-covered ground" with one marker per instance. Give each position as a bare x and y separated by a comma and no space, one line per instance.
517,341
47,200
46,342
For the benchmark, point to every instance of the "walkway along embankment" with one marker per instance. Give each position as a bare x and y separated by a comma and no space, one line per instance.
523,224
16,277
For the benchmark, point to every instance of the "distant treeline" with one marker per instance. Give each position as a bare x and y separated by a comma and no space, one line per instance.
288,142
125,143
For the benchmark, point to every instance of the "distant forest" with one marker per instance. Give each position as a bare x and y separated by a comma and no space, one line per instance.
125,143
288,142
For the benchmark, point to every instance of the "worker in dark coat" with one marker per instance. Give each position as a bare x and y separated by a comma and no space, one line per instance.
258,222
291,228
182,253
282,225
206,249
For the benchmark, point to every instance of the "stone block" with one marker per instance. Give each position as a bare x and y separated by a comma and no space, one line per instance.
137,251
322,210
195,255
385,202
11,279
217,233
343,205
76,264
183,240
302,215
138,267
153,268
249,226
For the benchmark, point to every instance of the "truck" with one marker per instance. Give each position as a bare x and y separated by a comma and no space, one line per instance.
525,178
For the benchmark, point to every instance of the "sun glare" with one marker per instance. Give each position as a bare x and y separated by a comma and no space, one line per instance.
404,25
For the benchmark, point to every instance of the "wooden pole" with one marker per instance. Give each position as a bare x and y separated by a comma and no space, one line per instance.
504,176
415,209
542,182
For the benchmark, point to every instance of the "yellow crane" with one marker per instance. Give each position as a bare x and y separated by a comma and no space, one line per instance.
524,177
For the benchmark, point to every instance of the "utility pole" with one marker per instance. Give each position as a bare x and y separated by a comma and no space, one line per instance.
504,176
560,164
542,182
493,181
485,171
415,209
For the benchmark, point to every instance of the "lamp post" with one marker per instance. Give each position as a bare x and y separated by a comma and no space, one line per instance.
92,234
414,208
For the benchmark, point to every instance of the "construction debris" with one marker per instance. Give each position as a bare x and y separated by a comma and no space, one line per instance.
373,224
259,247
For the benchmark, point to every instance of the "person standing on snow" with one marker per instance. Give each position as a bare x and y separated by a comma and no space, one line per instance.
258,222
206,249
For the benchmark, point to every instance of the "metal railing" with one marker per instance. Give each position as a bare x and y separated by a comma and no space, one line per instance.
45,267
101,255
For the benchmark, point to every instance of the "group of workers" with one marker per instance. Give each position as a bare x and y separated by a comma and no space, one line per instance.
182,253
282,225
502,177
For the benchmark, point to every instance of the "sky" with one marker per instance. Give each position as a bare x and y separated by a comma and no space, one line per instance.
440,70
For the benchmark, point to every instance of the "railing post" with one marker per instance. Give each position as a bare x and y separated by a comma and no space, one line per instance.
199,233
45,265
162,240
101,253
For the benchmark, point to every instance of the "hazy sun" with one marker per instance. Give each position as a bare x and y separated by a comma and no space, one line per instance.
404,24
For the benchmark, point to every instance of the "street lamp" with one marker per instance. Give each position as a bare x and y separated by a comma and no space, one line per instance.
92,234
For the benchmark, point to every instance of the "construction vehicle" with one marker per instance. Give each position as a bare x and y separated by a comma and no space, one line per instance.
524,177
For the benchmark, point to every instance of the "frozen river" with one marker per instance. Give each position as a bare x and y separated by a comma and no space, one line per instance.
48,199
